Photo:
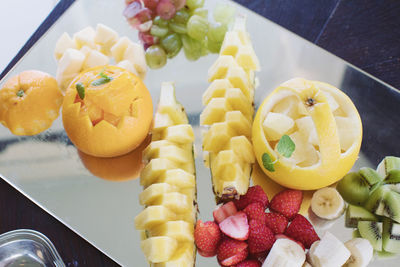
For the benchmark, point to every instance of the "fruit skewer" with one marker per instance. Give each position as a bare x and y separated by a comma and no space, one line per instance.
228,113
169,196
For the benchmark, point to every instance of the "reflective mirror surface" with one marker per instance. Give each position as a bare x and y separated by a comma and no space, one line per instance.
49,170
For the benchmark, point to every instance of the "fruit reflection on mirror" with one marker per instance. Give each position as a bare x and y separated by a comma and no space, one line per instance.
114,114
96,47
228,114
169,182
29,102
324,126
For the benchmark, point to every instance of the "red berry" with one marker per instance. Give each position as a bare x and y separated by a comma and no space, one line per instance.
231,251
236,226
287,202
224,211
279,236
261,238
207,254
300,229
276,222
254,194
207,236
255,211
249,263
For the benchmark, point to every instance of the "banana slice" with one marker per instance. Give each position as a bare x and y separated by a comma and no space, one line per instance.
327,203
319,223
361,252
285,253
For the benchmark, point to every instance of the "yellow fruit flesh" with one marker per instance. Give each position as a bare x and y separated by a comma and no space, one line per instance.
170,185
229,112
323,161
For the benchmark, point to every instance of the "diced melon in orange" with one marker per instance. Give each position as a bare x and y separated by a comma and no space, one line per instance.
276,125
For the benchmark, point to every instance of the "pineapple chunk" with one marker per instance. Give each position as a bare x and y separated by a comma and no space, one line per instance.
135,54
307,129
152,216
217,136
215,111
179,230
118,49
242,148
181,134
347,132
162,121
231,44
154,191
216,89
105,37
126,64
169,105
220,67
247,59
238,101
154,169
289,106
305,154
275,125
239,79
183,257
178,178
331,101
174,201
63,43
226,166
171,152
85,37
159,248
238,122
95,58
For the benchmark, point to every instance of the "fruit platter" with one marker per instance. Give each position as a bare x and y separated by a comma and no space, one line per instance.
177,133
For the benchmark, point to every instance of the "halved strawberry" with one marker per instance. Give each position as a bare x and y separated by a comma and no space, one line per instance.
254,194
249,263
301,229
207,236
255,211
261,238
279,236
287,202
224,211
276,222
236,226
231,251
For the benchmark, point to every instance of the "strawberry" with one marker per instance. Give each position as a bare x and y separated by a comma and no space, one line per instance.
207,236
236,226
300,229
287,202
279,236
224,211
249,263
231,251
254,194
207,254
255,211
261,238
276,222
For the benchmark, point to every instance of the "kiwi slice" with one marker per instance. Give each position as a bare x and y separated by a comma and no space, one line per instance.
393,177
391,205
356,234
392,163
372,231
391,236
354,214
375,203
370,176
353,189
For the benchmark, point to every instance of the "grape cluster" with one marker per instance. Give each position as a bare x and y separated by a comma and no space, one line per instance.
167,26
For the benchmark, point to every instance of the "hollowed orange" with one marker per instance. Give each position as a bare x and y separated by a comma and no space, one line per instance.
113,118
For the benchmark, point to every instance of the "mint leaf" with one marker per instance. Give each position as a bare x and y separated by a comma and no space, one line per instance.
101,74
104,79
20,93
80,88
286,146
267,162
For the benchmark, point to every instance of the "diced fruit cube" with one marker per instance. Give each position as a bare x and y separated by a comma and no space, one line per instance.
247,58
171,152
159,248
174,201
179,230
178,178
238,101
154,191
63,43
152,216
217,88
126,64
239,123
154,169
305,154
348,134
106,37
217,136
275,125
181,134
183,256
231,44
307,129
69,66
95,58
242,147
215,111
135,54
331,101
118,49
85,37
161,121
220,67
239,79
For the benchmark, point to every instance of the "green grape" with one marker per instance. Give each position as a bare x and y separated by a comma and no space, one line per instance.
193,4
197,27
214,47
155,57
224,13
216,32
178,28
158,31
172,44
181,16
191,47
201,11
204,49
160,22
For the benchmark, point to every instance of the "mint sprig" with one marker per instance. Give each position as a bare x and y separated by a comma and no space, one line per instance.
285,147
103,80
80,88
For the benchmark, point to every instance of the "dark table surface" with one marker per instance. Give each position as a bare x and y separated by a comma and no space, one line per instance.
365,33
